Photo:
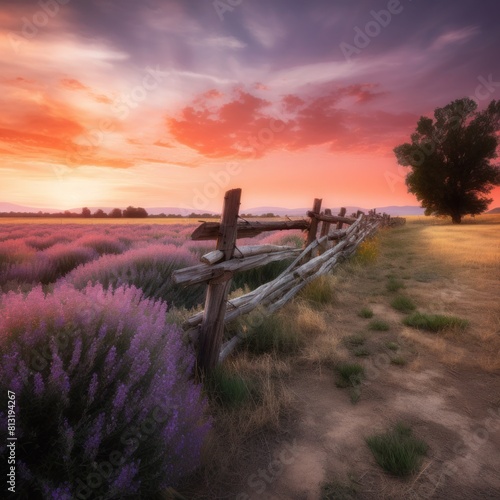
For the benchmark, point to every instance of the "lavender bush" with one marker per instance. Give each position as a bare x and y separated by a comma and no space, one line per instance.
149,268
105,405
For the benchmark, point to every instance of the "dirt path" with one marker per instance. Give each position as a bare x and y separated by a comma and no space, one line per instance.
445,386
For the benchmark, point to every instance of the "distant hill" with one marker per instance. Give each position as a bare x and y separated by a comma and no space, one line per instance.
391,210
281,211
494,211
13,207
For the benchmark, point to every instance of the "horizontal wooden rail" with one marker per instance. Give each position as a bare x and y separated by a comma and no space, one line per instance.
331,218
211,230
204,272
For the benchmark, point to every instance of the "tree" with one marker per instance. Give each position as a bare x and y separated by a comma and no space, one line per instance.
86,212
450,159
116,212
135,212
100,213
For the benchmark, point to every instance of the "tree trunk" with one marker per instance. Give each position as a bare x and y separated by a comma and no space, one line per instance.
456,218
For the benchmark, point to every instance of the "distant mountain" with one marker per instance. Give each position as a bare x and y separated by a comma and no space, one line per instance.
494,211
294,212
13,207
401,210
281,211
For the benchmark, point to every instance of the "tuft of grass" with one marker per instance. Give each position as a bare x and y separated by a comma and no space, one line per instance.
355,340
350,374
320,291
403,304
337,491
393,285
366,312
226,388
434,322
393,346
361,352
379,325
367,252
397,451
270,334
399,361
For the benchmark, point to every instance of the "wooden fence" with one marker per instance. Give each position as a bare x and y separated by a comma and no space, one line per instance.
321,253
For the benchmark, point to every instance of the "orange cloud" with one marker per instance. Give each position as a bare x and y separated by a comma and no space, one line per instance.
248,126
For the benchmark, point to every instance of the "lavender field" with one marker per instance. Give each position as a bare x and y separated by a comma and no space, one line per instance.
105,402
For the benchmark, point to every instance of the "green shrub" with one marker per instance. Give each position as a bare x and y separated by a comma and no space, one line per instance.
338,491
393,346
434,322
397,451
403,304
355,340
271,334
394,285
379,325
366,312
228,389
361,352
350,374
399,361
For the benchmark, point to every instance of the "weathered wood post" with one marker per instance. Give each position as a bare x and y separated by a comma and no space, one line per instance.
313,228
212,327
342,212
325,228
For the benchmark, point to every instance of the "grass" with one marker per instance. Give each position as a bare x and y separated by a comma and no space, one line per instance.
399,361
320,291
379,325
226,388
367,252
434,322
338,491
361,352
403,304
350,374
397,451
355,340
366,312
393,285
393,346
271,334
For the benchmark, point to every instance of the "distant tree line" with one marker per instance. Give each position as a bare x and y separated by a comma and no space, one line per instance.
129,212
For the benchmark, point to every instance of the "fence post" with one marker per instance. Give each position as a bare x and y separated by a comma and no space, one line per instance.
325,228
212,327
313,228
342,212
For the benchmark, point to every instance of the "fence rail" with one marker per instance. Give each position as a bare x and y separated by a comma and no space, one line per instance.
319,256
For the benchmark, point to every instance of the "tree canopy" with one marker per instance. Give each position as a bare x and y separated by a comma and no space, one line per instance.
450,159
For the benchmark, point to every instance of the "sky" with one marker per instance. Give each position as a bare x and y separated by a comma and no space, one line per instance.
170,103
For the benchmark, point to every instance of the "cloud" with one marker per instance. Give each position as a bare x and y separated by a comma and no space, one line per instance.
246,126
455,36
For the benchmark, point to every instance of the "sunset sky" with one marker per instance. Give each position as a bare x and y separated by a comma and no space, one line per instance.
170,103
